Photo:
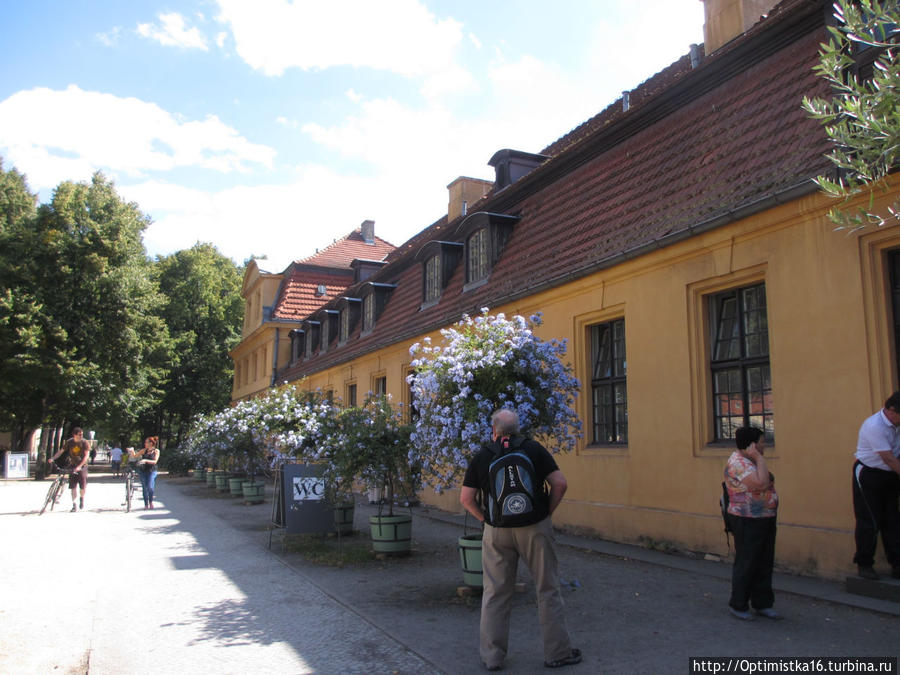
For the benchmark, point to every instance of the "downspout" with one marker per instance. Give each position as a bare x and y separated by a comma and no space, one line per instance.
275,359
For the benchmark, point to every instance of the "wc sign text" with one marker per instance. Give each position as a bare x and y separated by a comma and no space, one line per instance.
308,488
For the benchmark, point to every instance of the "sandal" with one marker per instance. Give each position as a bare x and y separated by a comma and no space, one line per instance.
570,660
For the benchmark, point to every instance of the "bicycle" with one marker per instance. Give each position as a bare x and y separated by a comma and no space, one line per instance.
56,490
129,473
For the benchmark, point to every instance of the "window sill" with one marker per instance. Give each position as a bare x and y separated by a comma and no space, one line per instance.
612,450
429,303
472,285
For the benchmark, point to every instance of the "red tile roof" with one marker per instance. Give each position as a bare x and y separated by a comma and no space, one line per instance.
699,147
348,248
299,296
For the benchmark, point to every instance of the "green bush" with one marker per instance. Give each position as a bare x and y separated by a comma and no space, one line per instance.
177,462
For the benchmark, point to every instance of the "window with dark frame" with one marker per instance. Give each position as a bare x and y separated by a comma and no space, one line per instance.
609,390
324,337
893,260
368,312
380,386
433,278
345,325
351,395
477,256
739,363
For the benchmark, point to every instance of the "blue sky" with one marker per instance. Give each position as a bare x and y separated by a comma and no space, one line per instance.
272,127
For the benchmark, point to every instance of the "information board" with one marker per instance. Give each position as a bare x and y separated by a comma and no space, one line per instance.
15,465
303,506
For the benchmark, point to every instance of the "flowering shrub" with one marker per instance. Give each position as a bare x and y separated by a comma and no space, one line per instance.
286,421
487,363
370,444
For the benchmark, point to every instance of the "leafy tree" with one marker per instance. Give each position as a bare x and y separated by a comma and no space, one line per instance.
863,117
24,325
17,203
203,310
78,311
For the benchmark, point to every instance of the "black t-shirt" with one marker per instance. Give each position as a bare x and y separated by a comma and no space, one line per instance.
478,472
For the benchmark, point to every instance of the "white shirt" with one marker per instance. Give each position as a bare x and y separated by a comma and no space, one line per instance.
877,434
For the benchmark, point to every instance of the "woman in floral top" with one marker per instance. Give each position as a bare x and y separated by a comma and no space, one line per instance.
752,509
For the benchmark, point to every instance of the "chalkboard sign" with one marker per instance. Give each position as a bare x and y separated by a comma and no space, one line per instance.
302,508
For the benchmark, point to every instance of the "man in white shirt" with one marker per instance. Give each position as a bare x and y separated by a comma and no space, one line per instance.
876,488
115,459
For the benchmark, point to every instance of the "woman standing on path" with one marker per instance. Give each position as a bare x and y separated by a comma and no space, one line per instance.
149,455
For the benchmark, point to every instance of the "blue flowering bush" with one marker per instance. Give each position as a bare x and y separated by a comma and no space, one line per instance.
486,363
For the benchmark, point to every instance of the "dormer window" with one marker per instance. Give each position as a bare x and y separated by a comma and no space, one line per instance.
311,328
368,313
477,267
374,298
440,260
329,323
433,278
297,344
349,309
485,236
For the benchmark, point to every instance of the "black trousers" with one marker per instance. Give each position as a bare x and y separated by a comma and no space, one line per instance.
754,559
876,494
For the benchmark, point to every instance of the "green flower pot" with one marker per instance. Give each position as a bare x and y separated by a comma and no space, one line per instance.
470,559
236,486
211,478
200,474
343,518
254,492
222,482
391,534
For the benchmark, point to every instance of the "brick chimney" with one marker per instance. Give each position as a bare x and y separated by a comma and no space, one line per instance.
727,19
463,193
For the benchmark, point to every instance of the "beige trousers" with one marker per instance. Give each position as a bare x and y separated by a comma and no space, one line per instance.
501,549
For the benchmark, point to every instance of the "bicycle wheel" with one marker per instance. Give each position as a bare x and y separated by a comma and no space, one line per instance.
129,491
58,493
51,497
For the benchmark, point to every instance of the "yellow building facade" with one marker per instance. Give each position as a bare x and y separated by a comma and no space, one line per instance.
679,230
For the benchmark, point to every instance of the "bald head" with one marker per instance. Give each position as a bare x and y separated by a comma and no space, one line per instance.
505,422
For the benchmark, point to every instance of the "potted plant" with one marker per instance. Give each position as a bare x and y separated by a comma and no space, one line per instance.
486,363
371,446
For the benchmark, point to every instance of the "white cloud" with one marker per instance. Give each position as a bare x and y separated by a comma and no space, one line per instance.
111,37
60,135
282,222
173,32
399,36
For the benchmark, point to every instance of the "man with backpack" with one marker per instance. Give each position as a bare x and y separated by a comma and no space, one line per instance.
510,474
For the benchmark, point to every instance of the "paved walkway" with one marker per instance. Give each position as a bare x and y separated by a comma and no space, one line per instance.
192,587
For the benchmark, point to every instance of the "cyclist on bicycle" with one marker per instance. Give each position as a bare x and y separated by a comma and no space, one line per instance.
76,451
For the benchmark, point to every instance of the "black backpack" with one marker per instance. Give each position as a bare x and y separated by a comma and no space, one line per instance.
516,495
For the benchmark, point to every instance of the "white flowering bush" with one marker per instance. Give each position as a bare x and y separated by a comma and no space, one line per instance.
256,433
486,363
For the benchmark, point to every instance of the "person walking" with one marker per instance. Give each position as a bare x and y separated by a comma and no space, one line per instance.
147,468
876,489
752,510
529,536
115,459
76,451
